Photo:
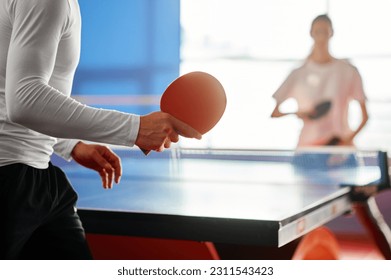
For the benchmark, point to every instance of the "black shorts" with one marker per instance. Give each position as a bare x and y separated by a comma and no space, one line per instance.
38,215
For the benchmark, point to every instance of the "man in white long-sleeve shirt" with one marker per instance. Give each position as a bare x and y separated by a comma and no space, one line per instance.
39,52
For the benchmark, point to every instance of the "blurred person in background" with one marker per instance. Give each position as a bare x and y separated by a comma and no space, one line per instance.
323,78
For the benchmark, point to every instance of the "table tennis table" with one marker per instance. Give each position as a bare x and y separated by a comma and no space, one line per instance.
230,196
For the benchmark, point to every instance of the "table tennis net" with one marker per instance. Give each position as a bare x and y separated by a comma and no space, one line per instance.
327,166
320,158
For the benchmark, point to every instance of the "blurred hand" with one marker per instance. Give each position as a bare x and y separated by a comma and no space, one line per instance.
302,115
101,159
158,130
338,141
348,141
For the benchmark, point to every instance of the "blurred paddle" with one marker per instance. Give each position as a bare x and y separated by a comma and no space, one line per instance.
319,111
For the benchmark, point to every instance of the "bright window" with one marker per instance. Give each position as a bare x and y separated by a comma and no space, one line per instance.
252,45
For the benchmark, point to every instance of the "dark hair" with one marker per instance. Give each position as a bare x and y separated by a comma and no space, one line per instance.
323,17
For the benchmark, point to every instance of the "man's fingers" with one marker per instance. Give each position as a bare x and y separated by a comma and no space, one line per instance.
184,129
103,176
101,159
106,170
167,143
115,162
110,174
174,137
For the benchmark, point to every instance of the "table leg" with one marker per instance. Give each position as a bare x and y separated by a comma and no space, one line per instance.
372,219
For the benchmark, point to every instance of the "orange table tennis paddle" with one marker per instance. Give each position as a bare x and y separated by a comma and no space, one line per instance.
197,99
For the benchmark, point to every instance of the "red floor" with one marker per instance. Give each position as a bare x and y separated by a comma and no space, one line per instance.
351,247
357,248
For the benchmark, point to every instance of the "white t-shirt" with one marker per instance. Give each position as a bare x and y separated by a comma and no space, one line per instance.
39,52
337,81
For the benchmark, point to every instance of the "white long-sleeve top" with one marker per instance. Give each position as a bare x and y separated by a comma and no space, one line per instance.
39,52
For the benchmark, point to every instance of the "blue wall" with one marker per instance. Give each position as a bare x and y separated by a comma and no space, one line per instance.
129,47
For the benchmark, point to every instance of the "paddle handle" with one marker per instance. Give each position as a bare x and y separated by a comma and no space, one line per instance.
146,152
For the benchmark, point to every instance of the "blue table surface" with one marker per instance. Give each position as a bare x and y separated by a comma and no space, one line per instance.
252,185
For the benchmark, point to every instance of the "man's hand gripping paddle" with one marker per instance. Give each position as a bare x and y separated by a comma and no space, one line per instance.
197,99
